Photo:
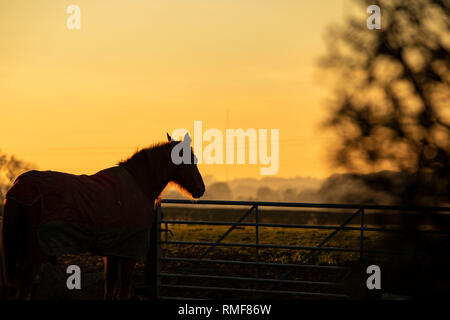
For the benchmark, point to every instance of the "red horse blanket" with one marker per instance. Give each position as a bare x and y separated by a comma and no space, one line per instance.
105,213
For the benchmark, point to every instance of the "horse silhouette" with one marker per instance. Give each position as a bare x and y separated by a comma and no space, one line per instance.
109,213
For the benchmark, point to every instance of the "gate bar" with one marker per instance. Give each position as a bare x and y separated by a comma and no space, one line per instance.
205,276
334,295
307,205
294,226
251,245
264,264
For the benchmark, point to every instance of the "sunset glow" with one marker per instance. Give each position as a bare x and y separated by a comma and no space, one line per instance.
81,100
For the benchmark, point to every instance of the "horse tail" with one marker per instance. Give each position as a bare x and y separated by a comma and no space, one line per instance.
2,277
12,242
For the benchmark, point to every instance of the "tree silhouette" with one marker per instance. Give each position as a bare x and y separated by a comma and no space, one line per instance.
267,194
10,168
392,102
392,111
219,190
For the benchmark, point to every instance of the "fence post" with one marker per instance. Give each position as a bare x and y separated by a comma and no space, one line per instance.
153,256
257,240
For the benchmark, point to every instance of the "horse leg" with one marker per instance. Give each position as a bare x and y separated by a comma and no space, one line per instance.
126,278
34,256
11,242
22,256
3,289
111,277
31,267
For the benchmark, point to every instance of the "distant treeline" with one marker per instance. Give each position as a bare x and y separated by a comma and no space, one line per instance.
380,188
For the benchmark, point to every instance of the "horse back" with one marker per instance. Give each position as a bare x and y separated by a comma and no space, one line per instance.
81,212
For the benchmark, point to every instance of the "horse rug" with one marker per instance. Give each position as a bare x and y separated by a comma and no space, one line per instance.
105,213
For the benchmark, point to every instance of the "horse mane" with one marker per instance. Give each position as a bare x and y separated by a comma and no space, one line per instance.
152,149
151,162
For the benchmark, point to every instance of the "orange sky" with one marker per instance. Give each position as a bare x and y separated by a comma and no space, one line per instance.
81,100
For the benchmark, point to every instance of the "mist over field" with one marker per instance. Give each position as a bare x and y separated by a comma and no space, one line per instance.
382,188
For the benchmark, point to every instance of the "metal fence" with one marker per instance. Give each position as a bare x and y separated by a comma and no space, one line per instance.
279,282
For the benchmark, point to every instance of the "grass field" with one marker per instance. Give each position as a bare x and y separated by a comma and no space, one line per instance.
266,235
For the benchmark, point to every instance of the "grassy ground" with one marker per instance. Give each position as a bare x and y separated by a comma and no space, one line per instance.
266,235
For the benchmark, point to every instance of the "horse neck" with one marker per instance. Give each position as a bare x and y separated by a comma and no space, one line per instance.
150,172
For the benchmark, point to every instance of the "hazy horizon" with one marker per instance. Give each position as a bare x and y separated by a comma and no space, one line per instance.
81,100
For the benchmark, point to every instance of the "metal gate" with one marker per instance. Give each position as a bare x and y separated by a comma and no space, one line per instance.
180,277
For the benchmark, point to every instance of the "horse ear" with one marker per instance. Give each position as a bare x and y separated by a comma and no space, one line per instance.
169,137
187,138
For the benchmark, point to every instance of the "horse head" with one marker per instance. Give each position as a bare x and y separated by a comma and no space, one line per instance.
186,173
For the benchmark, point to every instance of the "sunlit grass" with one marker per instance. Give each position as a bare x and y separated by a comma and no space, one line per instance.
266,235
